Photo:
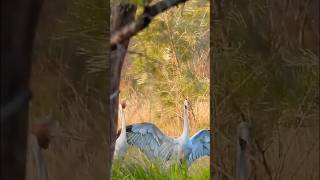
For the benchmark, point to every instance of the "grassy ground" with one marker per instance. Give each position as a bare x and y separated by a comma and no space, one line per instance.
136,166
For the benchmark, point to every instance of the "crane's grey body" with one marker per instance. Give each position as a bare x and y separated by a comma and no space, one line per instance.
156,145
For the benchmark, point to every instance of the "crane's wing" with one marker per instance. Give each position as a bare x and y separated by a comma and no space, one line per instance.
150,140
200,145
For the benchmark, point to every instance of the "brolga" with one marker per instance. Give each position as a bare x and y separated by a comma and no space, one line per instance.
41,134
244,168
40,137
121,146
151,141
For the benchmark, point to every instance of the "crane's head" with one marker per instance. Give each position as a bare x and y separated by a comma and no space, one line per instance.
186,104
45,130
244,135
123,104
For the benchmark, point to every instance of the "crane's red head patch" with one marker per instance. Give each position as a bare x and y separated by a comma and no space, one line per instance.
123,104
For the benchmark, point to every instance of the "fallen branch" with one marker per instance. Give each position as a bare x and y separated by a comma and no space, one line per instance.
142,22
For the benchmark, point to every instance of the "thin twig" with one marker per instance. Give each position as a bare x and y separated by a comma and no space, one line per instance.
192,112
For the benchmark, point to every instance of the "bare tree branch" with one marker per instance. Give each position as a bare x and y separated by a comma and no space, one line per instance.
143,21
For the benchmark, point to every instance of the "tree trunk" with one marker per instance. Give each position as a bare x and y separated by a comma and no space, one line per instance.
121,15
18,22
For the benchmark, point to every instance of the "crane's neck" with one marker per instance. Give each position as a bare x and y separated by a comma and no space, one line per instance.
185,133
241,166
123,122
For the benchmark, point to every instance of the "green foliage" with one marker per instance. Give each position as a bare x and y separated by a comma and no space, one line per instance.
140,168
165,59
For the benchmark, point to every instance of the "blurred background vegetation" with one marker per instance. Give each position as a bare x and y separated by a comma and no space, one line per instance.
265,64
68,83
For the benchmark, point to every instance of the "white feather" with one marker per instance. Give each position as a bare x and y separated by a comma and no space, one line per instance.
121,146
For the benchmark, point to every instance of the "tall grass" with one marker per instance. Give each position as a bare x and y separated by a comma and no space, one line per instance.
144,108
80,153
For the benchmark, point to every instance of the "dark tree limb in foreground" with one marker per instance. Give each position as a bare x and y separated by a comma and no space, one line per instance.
18,22
143,21
121,15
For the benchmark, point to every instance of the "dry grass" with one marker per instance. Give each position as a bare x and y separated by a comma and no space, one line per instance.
140,109
80,153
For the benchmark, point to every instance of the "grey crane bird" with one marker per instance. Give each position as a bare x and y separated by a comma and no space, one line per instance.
41,167
243,168
121,146
39,140
150,140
